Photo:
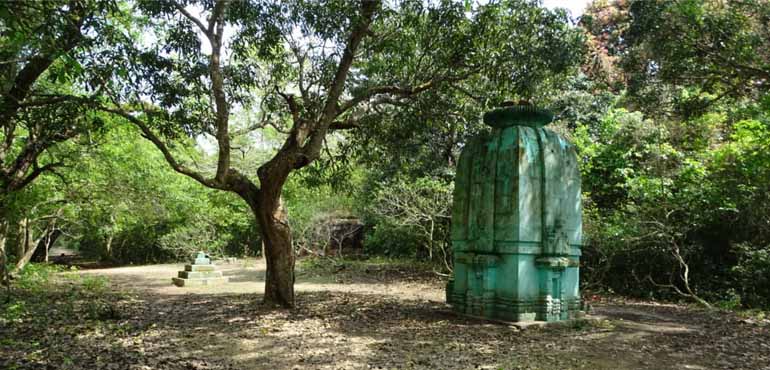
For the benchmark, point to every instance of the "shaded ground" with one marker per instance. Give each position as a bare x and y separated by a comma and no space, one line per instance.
374,317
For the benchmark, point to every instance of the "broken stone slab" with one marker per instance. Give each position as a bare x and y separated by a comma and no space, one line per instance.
199,274
200,282
199,268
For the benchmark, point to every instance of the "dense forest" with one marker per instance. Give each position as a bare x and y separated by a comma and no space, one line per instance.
140,132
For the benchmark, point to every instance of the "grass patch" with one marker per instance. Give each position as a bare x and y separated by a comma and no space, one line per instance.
333,265
52,309
389,269
36,276
753,314
51,291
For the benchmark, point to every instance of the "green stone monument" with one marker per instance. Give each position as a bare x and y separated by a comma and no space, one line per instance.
200,272
516,221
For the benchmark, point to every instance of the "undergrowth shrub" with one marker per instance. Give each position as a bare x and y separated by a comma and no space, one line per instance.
752,274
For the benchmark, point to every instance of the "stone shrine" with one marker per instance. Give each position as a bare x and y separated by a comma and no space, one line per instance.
200,272
516,221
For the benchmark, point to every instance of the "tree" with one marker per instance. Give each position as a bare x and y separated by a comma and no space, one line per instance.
310,69
717,49
521,52
41,46
606,23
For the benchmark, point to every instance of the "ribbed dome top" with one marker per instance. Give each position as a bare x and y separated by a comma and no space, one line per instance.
518,115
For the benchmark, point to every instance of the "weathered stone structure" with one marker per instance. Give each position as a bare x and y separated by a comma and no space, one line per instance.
200,272
516,221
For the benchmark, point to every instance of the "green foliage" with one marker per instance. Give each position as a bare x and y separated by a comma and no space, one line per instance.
314,207
678,192
712,49
165,217
731,301
390,239
644,198
75,295
752,275
36,276
410,217
120,202
14,311
667,200
94,284
515,49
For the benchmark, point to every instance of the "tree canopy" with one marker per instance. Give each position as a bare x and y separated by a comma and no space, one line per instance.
309,69
307,111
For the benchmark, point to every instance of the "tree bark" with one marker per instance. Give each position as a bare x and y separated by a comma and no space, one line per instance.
24,239
38,247
26,257
430,240
108,248
107,253
279,252
271,216
5,277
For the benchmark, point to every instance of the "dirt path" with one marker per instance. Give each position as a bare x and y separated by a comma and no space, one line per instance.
247,277
382,319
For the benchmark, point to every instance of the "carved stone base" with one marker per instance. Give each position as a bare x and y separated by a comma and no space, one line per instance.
515,310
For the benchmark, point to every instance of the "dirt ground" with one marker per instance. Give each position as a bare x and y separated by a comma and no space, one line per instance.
379,318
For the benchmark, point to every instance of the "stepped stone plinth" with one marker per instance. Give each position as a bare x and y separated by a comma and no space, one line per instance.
200,273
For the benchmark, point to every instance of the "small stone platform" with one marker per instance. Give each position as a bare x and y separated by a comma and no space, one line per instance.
200,273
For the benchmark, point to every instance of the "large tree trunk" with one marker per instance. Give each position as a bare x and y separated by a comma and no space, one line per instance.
279,252
25,258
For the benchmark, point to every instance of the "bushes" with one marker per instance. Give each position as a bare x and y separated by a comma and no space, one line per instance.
177,239
38,286
389,239
313,211
667,202
411,217
752,275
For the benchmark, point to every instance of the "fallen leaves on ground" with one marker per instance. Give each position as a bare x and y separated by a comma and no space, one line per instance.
69,328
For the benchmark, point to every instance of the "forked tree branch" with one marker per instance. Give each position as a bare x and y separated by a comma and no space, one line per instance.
152,137
36,172
331,106
193,19
214,31
391,90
